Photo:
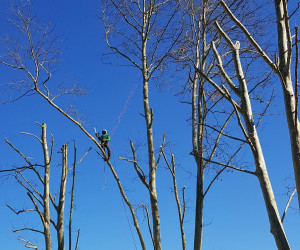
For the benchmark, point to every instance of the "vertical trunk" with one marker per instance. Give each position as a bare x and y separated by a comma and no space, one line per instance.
72,200
197,118
180,213
287,86
198,130
149,119
61,204
199,206
46,221
152,170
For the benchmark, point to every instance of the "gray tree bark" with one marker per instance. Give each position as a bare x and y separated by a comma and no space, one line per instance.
251,135
46,213
61,203
284,72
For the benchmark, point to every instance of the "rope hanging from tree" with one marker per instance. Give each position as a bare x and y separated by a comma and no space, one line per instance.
125,107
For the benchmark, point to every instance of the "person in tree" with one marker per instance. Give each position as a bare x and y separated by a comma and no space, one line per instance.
104,139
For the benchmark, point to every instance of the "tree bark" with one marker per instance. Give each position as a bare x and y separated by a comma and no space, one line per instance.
285,50
198,118
152,170
284,74
197,137
61,204
46,221
149,119
261,169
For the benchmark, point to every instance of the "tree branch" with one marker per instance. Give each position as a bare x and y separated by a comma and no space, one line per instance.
249,37
288,204
229,166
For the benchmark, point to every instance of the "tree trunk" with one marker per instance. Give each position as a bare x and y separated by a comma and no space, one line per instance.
149,119
197,137
261,169
61,204
198,119
46,221
285,51
152,171
199,206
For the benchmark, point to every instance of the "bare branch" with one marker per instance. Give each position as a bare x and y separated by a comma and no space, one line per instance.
25,133
30,185
229,166
160,152
180,213
16,169
221,171
222,133
288,204
220,63
19,211
36,208
28,244
250,38
19,152
27,229
28,190
84,155
78,233
148,222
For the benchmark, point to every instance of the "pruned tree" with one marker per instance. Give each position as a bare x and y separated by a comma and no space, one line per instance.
244,115
209,116
39,194
39,199
282,66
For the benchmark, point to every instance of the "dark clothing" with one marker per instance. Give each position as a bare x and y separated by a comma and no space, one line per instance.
104,145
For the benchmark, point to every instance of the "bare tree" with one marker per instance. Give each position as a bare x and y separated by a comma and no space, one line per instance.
194,55
144,34
243,108
38,198
36,57
282,67
42,200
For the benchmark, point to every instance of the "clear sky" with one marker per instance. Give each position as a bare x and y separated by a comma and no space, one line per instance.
234,211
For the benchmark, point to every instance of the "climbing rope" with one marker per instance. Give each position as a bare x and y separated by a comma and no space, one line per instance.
135,246
128,222
125,107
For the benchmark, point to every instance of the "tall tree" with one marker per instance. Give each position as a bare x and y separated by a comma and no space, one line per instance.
244,114
142,32
282,67
194,55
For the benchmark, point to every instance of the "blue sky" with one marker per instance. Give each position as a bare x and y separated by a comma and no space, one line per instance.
234,210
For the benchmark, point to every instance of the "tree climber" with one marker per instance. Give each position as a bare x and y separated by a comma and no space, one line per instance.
104,139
